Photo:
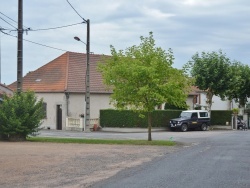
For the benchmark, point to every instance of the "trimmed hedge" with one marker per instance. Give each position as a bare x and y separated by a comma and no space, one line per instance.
220,117
160,118
128,118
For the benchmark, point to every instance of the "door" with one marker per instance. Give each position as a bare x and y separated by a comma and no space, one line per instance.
194,120
59,117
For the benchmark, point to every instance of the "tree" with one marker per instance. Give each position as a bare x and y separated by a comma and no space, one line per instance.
173,107
239,86
142,77
20,115
211,72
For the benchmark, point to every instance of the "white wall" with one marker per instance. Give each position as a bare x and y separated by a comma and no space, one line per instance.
76,106
5,90
190,102
52,100
97,102
217,103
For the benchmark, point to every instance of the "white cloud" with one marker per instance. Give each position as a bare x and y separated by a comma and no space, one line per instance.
155,13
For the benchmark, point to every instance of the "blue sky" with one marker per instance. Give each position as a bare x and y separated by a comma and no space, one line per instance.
186,26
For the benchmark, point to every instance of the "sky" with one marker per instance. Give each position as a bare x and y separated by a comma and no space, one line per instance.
185,26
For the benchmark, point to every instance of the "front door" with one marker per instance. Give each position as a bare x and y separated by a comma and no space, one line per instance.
59,117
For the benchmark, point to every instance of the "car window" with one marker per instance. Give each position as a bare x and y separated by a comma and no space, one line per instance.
194,115
185,114
203,114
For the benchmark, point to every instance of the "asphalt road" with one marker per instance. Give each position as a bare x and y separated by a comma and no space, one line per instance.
219,160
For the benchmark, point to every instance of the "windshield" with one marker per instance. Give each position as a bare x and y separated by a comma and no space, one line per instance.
186,115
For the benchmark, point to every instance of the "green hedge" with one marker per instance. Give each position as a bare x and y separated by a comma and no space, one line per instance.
160,118
220,117
128,118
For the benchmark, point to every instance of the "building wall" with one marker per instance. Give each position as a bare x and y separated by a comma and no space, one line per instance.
5,90
97,102
75,106
52,100
190,102
217,104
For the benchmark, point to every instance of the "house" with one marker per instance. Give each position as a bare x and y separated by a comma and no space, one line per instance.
4,90
197,98
61,85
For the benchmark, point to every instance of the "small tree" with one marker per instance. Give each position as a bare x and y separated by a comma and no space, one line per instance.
211,72
20,115
142,78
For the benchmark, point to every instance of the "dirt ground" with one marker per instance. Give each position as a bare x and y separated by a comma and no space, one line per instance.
27,164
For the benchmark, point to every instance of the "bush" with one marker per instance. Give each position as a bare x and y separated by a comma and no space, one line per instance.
20,116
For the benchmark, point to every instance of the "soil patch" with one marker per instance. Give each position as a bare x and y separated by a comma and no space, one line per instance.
32,164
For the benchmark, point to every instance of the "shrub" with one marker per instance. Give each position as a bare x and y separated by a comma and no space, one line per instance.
20,116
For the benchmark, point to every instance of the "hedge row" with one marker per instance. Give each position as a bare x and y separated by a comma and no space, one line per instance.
160,118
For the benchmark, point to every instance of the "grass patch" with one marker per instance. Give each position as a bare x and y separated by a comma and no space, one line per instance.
102,141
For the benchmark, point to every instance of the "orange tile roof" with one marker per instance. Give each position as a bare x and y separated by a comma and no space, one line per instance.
65,73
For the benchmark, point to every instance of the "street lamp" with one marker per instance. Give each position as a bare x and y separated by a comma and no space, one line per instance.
87,84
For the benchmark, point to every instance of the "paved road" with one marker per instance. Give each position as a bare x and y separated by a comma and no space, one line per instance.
220,161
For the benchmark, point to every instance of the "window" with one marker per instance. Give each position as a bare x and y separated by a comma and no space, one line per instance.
203,114
194,115
45,109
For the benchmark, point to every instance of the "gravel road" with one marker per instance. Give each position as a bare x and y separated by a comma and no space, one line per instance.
30,164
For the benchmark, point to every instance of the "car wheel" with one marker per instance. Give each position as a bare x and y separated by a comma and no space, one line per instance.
204,127
184,127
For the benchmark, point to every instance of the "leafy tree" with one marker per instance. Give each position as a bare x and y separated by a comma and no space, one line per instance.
142,77
20,115
239,86
211,72
173,107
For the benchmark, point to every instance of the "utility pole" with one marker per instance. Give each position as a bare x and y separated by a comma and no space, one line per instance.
20,47
0,57
87,109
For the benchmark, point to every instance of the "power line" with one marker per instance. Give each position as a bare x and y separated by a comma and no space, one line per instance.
7,22
35,42
76,11
7,17
56,27
10,18
43,29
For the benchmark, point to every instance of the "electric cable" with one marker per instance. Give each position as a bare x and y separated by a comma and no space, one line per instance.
34,42
56,27
7,22
76,11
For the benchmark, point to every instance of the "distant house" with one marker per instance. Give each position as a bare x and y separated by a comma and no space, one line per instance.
197,98
4,90
61,84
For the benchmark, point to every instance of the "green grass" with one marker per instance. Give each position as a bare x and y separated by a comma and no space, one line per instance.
102,141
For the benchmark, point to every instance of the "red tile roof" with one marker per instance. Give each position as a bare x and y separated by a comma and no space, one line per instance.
65,73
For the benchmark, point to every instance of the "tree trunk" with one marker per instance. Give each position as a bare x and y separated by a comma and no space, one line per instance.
149,125
209,101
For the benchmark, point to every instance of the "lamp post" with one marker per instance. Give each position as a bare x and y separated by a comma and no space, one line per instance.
87,84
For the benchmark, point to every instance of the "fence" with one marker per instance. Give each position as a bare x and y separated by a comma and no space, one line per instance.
77,124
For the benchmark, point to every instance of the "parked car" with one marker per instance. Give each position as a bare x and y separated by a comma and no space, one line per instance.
191,119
